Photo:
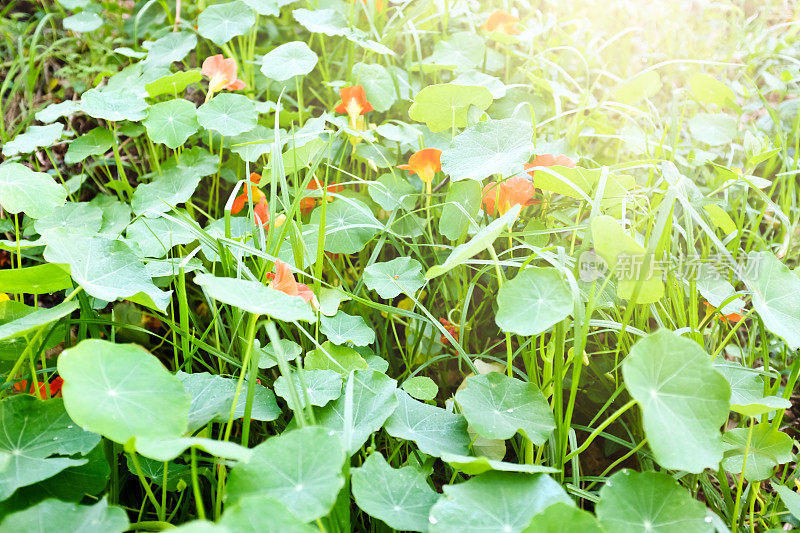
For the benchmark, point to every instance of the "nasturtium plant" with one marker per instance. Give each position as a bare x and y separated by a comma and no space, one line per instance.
301,468
400,275
446,106
495,501
400,497
171,122
282,265
96,142
288,60
222,22
24,191
228,114
536,299
434,430
498,406
122,392
492,147
674,382
649,501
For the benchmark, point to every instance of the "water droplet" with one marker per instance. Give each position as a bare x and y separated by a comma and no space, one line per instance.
708,519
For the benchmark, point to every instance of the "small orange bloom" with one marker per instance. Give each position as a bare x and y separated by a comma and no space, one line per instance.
55,388
255,193
425,164
503,196
502,21
451,328
548,160
221,73
260,208
354,101
283,280
308,203
730,317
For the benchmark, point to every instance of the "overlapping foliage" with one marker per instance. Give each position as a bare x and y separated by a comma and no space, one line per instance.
275,265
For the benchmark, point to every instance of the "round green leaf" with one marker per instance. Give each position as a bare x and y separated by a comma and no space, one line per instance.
378,84
563,518
105,268
446,105
288,60
342,328
421,388
532,302
222,22
322,386
172,47
67,516
260,512
390,278
173,83
391,191
267,358
212,397
768,448
38,279
366,403
36,435
434,430
672,379
495,501
747,391
497,407
83,22
96,142
170,188
228,114
24,191
350,225
74,217
776,295
255,297
171,122
113,104
460,209
329,356
122,391
499,147
33,138
650,502
400,497
714,129
301,469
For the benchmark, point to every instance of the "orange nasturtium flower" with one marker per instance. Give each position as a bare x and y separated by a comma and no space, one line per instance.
730,317
451,328
502,21
548,160
354,103
221,73
261,207
55,388
425,164
308,203
503,196
283,280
